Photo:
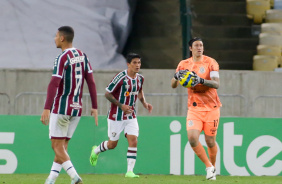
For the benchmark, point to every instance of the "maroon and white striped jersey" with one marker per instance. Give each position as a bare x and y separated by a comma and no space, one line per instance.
125,90
71,66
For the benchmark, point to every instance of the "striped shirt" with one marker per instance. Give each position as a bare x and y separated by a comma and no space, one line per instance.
71,66
125,90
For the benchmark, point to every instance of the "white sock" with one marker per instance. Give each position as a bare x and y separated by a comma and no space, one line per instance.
55,170
69,168
102,147
131,158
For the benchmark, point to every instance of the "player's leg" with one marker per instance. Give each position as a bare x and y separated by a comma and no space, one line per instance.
114,130
54,133
68,166
54,173
210,129
194,126
131,132
193,137
56,168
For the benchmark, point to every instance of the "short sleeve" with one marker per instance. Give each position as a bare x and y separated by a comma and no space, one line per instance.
180,66
214,65
58,68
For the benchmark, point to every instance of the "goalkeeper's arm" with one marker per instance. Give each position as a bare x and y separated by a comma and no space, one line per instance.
213,83
177,76
174,82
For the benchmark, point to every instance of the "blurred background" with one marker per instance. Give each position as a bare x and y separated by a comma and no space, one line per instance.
244,36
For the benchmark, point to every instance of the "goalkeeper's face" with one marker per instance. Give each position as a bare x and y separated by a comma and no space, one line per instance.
134,65
197,48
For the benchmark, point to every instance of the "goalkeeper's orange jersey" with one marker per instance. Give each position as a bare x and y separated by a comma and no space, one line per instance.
200,97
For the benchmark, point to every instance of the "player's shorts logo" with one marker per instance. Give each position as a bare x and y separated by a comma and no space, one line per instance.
202,69
213,130
114,134
190,123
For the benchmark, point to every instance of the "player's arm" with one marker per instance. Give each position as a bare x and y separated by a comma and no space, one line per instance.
51,92
174,83
93,95
213,83
177,76
125,108
146,105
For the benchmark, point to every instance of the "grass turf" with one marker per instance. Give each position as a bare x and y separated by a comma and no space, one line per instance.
144,179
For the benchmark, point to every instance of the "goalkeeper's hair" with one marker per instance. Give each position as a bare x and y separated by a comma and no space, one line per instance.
131,56
193,40
68,32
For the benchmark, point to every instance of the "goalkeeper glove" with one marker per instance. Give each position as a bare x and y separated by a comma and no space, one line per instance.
197,80
178,75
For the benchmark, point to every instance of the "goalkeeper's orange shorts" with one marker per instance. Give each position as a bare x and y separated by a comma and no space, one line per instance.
203,120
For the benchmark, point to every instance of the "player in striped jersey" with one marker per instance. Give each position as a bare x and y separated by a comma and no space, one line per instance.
64,100
123,92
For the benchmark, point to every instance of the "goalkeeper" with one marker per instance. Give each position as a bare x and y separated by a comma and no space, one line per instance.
203,102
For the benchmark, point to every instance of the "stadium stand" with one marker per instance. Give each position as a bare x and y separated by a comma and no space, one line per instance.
265,63
157,33
273,28
270,51
273,16
270,39
226,32
256,10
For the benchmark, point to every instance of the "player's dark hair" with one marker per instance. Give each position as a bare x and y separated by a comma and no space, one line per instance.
192,41
68,32
131,56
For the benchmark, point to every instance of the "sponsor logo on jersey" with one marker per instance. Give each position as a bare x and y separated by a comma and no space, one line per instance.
130,93
76,106
116,79
78,59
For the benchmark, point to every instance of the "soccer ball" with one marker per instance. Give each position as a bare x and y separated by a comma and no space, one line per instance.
186,80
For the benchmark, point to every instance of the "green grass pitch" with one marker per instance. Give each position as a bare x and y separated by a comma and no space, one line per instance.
144,179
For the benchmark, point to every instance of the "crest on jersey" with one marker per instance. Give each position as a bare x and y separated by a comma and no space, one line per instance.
126,84
202,69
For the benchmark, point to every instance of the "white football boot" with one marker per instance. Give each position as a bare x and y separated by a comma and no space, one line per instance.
76,180
211,174
49,181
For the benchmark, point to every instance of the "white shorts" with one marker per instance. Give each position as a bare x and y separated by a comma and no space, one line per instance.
62,126
130,127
